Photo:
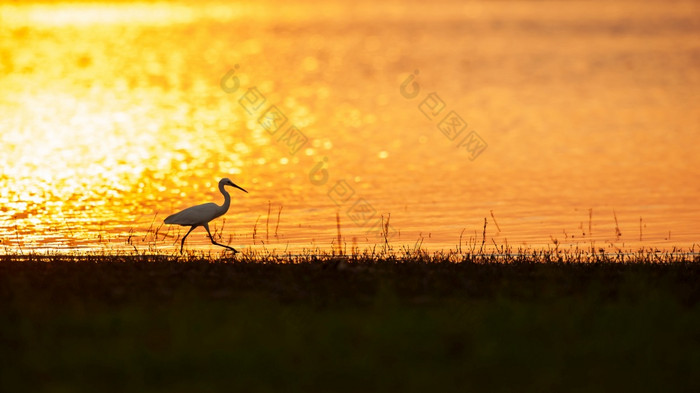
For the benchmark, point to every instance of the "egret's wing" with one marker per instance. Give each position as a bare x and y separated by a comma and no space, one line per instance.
195,215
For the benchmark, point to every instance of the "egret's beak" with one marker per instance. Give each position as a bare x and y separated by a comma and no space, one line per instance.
240,188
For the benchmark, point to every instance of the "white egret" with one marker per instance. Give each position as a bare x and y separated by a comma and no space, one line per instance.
200,215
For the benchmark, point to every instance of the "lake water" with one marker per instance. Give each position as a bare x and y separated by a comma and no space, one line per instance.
552,120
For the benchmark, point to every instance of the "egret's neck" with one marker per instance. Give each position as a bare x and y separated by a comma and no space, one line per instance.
227,199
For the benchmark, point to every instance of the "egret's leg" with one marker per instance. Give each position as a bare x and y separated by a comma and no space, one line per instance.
182,243
206,226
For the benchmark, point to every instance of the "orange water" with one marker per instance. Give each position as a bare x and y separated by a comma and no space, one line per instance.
113,116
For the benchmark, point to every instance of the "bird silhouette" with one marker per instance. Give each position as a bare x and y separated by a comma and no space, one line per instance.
200,215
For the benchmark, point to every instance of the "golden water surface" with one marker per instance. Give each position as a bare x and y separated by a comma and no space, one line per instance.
552,120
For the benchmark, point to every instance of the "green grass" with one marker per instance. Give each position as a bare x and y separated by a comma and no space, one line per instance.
427,323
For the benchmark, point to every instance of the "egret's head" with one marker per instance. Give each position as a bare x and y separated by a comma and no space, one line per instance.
227,182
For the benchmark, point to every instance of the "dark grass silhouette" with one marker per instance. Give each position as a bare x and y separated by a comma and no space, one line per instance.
363,323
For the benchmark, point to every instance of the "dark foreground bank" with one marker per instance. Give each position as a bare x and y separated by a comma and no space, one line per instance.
153,323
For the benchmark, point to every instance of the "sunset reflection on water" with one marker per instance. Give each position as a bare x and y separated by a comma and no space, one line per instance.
113,116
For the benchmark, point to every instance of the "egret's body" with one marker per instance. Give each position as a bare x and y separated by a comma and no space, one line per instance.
200,215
